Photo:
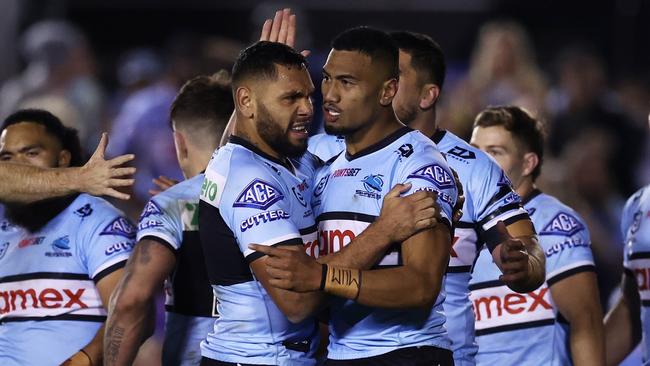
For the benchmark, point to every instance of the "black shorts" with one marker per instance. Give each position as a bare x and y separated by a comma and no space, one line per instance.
210,362
411,356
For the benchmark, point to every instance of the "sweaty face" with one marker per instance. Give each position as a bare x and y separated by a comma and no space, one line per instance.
351,88
499,142
29,143
407,100
284,110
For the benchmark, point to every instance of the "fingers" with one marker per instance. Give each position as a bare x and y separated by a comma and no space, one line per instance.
154,192
398,190
121,172
427,223
120,182
120,160
284,26
503,232
305,53
513,277
116,194
101,147
266,30
270,251
275,28
167,181
428,196
291,31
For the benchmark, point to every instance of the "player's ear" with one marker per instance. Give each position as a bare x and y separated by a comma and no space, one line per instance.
244,101
181,145
530,162
429,95
388,92
64,159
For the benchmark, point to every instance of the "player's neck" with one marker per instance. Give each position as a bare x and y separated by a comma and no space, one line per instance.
526,187
372,133
198,161
425,122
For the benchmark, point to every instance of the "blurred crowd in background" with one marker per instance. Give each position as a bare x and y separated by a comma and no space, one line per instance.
114,68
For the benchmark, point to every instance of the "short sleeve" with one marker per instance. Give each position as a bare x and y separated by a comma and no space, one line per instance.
492,199
107,243
254,206
160,219
567,245
428,171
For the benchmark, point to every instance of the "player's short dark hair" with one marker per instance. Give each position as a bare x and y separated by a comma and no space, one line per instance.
67,136
427,57
259,59
376,44
528,131
204,105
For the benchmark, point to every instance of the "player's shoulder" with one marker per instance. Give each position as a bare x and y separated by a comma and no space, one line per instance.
185,190
460,154
552,217
308,163
92,213
637,199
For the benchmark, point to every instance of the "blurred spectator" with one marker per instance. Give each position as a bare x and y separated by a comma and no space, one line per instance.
61,67
503,71
582,101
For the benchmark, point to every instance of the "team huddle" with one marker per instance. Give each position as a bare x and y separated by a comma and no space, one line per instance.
384,241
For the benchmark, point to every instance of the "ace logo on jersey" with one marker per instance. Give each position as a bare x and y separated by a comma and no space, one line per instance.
120,226
435,174
562,224
150,209
258,194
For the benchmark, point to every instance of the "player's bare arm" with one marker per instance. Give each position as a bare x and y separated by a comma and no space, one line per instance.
520,257
92,353
577,300
99,177
623,322
131,312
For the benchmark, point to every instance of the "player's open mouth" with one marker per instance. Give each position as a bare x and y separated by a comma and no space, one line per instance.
331,113
300,128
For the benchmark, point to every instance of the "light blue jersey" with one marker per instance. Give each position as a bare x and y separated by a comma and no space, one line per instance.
49,305
489,199
172,219
250,197
326,146
347,197
635,225
527,329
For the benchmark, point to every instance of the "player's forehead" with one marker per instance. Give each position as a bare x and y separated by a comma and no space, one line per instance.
22,134
289,78
348,63
491,135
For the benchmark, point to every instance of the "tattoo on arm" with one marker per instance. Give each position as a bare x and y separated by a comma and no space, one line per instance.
144,256
115,337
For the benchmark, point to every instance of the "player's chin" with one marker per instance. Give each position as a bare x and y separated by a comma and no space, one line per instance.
295,147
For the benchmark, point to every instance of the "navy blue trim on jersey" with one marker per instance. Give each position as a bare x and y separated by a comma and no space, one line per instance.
639,255
345,215
76,317
486,284
160,241
534,193
45,275
459,269
108,270
379,145
438,136
308,230
501,194
224,260
257,255
511,327
248,145
559,277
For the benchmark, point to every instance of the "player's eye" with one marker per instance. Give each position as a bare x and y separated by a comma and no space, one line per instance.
32,153
5,157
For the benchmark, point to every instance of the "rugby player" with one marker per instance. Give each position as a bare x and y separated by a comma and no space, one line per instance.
628,322
169,252
257,189
490,198
560,323
60,259
391,315
99,177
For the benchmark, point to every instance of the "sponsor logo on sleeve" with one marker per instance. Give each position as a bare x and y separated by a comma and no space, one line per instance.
258,194
262,218
504,181
405,150
37,240
149,224
3,249
190,215
60,247
436,174
462,153
120,226
443,196
212,187
531,211
124,246
150,209
373,185
567,244
297,192
562,224
511,198
85,211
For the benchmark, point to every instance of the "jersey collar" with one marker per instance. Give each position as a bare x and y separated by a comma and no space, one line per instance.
534,193
246,144
379,145
438,136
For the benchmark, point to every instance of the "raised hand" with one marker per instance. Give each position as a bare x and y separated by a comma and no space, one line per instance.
163,184
281,29
100,177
